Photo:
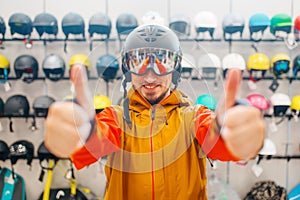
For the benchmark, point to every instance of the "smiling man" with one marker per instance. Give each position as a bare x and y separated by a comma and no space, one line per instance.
157,142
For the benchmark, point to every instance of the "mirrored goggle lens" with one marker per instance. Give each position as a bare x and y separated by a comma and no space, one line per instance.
159,60
282,65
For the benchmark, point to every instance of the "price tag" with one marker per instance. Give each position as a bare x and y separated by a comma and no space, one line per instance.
7,86
257,170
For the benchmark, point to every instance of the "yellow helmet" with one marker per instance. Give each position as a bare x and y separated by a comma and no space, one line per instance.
4,62
295,105
258,61
80,59
101,102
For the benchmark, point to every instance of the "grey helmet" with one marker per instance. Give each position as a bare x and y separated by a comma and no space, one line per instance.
54,67
45,23
41,105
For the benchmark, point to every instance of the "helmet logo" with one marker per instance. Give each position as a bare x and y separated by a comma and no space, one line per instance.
150,33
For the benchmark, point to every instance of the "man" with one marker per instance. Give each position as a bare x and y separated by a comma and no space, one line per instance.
157,142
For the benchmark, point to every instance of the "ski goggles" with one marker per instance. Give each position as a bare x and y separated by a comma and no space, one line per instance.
282,66
160,61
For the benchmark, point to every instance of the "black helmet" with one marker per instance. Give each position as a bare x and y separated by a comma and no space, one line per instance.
4,150
17,105
2,27
54,67
125,23
100,23
20,23
155,37
41,105
21,149
44,153
107,67
26,65
1,107
45,23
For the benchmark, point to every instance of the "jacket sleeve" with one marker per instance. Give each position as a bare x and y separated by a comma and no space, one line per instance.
105,140
209,138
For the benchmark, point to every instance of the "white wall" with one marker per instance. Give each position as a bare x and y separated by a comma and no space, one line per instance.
240,177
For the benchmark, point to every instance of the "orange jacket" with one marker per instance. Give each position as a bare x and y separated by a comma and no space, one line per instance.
161,156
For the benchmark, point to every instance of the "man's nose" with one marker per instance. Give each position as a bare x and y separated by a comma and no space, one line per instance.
150,76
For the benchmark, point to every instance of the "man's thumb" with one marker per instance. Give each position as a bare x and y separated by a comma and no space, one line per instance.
83,96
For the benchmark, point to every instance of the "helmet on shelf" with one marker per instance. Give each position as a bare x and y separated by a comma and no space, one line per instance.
17,105
4,68
20,23
2,27
81,59
44,154
258,23
21,149
280,64
152,17
281,22
207,100
180,24
41,105
101,102
99,23
296,65
281,103
206,21
188,64
4,150
73,23
107,67
258,64
233,60
125,23
210,65
233,23
259,101
295,105
1,106
53,67
26,66
45,23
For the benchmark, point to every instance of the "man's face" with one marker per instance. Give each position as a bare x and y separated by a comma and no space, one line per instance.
154,88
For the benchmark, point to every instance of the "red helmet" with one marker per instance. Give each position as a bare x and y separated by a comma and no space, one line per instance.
297,23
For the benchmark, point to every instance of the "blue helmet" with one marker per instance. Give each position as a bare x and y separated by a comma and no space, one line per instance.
100,23
45,23
207,100
125,23
258,23
2,27
107,67
20,23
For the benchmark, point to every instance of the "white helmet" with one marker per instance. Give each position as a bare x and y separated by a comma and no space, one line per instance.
281,103
269,148
188,63
233,60
205,19
153,17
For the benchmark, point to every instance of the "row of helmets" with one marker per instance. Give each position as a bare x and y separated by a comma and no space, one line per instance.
278,105
24,150
18,105
257,64
54,66
100,23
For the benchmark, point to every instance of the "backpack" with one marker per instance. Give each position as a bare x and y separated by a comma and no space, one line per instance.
64,194
12,185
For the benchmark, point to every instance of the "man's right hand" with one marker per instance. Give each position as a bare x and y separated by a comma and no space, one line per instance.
67,125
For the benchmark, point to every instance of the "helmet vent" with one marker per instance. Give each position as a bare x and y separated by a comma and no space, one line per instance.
151,33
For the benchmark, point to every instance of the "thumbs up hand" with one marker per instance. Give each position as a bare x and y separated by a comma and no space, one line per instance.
243,127
68,121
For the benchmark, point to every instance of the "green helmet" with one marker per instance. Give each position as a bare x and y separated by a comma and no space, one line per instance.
281,22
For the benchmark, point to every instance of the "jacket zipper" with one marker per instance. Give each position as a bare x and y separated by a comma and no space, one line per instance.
151,149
